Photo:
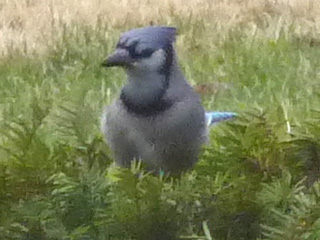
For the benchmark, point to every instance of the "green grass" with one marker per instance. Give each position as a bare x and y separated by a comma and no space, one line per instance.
258,178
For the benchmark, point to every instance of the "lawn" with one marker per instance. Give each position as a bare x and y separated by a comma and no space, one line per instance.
257,179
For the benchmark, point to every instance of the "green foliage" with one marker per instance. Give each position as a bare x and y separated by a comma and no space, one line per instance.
293,213
257,179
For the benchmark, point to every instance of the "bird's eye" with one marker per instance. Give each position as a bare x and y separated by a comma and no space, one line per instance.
143,54
146,52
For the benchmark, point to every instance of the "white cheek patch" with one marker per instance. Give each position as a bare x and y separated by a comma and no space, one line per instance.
154,62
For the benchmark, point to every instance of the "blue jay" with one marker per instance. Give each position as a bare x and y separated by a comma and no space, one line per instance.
158,117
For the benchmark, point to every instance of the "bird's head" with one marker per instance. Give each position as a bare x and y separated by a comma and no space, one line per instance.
144,49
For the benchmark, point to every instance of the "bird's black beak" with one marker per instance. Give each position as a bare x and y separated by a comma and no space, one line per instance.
120,57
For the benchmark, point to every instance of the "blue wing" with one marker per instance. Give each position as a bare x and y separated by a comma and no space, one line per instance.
215,117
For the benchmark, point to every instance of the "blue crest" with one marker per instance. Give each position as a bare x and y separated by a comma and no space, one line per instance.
153,37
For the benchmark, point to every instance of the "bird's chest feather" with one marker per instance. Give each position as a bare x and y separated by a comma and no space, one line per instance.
146,130
123,126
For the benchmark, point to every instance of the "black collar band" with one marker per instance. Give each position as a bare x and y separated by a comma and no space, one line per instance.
159,105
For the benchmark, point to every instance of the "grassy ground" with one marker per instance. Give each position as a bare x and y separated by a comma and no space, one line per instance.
258,179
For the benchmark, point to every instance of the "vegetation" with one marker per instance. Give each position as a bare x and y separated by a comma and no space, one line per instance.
257,179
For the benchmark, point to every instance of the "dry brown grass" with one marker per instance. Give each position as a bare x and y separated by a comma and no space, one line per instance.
32,24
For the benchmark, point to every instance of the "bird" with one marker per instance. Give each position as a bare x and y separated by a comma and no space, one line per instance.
157,118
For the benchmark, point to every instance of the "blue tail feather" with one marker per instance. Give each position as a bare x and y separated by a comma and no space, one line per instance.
215,117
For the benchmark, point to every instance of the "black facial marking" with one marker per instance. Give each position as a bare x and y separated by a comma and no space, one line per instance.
166,68
143,54
132,49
